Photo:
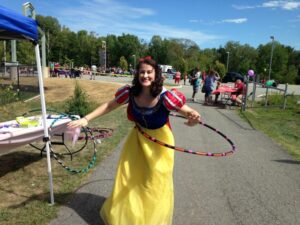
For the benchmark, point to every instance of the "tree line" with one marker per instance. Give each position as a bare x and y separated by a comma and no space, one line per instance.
85,48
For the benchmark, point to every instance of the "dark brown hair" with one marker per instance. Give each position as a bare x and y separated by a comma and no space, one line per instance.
157,84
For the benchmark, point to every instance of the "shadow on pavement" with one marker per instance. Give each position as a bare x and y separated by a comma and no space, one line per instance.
289,161
86,205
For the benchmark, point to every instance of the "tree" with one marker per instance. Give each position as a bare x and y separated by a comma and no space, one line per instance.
25,53
157,49
220,68
82,48
128,45
52,28
123,63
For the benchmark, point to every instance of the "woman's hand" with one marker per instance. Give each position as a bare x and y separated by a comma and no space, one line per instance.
78,123
193,118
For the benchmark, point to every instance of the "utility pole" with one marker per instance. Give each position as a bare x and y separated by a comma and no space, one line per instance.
4,57
227,60
271,58
104,47
28,6
134,61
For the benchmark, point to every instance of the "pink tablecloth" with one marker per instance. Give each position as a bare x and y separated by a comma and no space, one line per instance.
224,89
13,137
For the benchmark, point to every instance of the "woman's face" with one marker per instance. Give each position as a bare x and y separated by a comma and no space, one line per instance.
146,75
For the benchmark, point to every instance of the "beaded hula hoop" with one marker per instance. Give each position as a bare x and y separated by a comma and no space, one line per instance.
200,153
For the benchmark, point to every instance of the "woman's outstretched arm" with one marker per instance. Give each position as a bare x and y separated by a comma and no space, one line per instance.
101,110
192,115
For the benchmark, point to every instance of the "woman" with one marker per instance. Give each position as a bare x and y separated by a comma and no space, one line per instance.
237,96
143,188
196,83
209,85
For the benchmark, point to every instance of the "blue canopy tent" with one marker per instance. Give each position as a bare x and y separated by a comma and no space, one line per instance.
15,26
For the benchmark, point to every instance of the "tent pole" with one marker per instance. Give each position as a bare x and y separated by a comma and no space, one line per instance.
46,134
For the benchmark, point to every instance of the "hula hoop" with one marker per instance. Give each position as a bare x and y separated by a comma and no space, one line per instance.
200,153
87,136
100,133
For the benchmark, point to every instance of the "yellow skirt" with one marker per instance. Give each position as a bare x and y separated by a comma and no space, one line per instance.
143,189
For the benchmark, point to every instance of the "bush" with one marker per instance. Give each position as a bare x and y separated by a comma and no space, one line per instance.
78,104
8,95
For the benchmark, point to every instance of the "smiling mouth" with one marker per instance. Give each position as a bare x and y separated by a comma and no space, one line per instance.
145,79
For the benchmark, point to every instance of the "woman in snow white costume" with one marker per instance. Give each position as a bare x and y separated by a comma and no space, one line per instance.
143,189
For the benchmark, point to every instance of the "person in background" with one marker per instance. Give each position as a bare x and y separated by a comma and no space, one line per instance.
143,188
237,96
185,77
209,85
203,75
195,81
177,77
271,83
218,94
93,72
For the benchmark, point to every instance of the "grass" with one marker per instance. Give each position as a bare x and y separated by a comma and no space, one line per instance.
24,186
283,126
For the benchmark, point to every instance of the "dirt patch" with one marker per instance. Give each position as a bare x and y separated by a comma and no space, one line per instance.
58,89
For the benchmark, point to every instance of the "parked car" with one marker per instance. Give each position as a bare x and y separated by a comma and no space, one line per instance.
169,74
232,77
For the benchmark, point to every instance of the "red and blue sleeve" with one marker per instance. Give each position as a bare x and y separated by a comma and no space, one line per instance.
122,95
173,100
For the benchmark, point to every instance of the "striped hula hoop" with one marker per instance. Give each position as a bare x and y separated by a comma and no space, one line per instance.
200,153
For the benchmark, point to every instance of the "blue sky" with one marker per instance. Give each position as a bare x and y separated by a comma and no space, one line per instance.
210,24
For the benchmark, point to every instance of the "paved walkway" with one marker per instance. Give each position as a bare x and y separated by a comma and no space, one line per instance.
258,185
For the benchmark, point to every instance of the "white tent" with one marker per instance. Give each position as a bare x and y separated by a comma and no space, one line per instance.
15,26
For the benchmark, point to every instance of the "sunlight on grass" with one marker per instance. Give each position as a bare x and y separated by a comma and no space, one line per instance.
283,126
24,188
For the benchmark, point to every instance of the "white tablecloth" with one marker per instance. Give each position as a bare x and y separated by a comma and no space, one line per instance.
13,137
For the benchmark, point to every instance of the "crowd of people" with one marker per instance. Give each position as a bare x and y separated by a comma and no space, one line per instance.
207,83
57,70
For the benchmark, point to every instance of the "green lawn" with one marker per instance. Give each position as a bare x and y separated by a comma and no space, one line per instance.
283,126
24,188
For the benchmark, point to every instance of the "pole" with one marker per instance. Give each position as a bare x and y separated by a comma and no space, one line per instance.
227,60
133,61
44,112
271,58
245,95
285,96
13,69
256,80
4,49
104,47
29,7
133,65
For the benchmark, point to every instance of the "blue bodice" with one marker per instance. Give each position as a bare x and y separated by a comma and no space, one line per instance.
151,118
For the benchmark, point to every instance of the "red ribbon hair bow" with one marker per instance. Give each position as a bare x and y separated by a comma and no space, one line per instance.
145,58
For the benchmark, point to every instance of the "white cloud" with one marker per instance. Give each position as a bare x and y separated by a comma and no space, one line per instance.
284,5
239,20
110,17
241,7
194,21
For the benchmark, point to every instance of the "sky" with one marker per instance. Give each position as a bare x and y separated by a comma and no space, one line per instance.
210,24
